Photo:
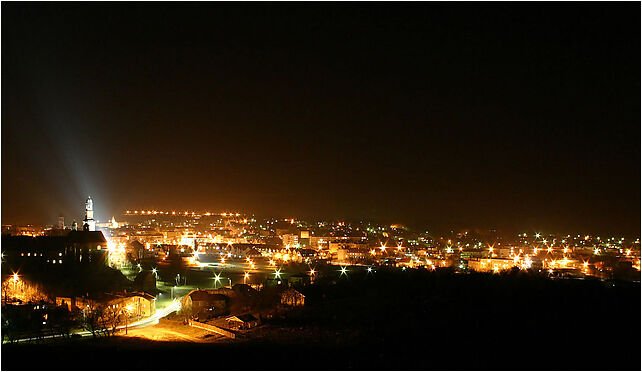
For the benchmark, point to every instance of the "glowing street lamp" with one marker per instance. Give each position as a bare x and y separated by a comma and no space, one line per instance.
277,274
217,279
245,277
537,235
369,269
312,272
344,271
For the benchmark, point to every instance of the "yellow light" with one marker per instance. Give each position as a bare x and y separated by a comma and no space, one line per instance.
247,275
312,271
15,277
383,247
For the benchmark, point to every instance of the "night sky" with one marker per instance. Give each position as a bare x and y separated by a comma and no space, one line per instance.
523,117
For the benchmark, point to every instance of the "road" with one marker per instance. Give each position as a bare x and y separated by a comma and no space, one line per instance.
175,305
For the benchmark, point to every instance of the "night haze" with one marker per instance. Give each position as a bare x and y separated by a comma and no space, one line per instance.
521,118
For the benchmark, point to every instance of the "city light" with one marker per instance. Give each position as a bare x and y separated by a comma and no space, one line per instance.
343,270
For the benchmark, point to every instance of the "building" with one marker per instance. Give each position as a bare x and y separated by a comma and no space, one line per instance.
134,304
245,321
205,303
491,264
351,255
290,240
292,297
89,224
75,247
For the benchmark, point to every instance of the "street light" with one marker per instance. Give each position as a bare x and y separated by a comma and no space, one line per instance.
343,271
217,278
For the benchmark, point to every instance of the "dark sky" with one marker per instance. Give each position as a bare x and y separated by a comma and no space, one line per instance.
516,116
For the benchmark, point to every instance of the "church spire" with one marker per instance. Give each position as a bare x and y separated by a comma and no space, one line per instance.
89,224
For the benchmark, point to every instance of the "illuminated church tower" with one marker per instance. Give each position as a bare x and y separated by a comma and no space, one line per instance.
89,224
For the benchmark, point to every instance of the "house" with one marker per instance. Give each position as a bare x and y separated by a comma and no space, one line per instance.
137,304
245,321
292,297
300,279
204,303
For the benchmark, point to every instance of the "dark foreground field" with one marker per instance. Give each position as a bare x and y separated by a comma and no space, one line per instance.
391,321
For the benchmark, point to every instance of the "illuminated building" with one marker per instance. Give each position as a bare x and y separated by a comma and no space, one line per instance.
89,224
290,240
